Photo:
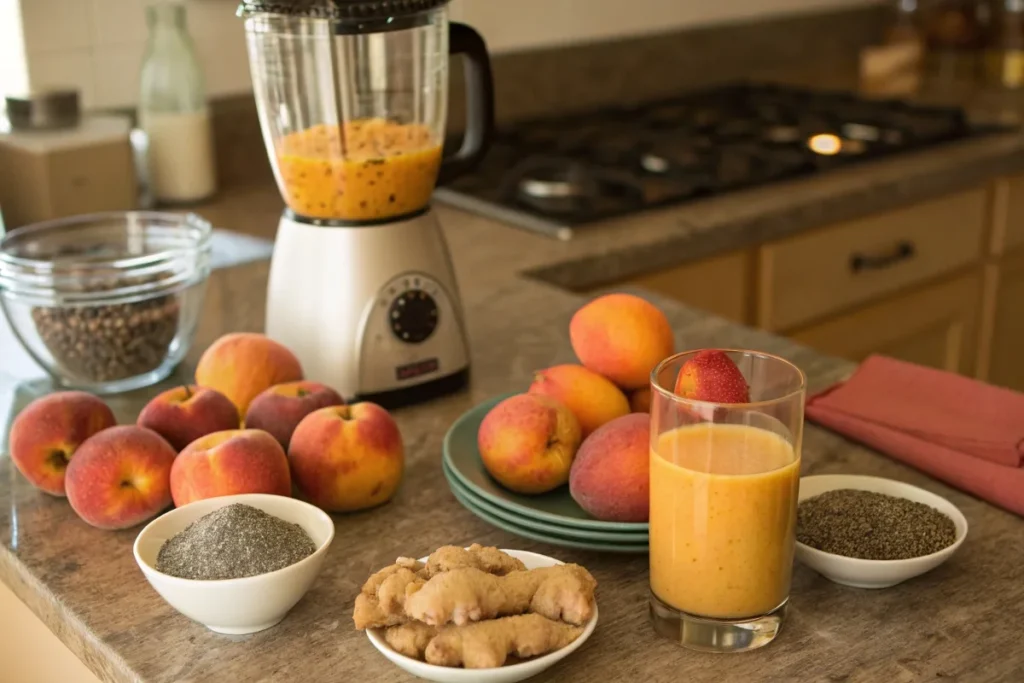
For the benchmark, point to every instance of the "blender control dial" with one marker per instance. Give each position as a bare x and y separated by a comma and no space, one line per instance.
412,316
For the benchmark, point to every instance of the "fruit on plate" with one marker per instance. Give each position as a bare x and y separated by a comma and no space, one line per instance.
183,414
610,476
280,409
622,337
47,433
230,462
240,365
710,375
347,458
640,400
120,477
527,443
592,398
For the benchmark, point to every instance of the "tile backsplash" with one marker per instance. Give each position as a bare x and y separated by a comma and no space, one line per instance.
97,45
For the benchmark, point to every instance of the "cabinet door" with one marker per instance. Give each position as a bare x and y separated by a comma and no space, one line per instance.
1006,355
936,326
822,273
1008,214
719,285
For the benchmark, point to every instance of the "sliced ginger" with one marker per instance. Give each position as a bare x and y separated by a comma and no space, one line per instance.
564,592
484,644
475,607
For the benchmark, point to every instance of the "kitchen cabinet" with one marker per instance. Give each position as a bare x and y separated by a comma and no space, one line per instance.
820,273
1004,363
936,326
718,285
30,652
939,283
1007,214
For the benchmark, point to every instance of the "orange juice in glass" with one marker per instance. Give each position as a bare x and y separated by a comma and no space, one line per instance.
724,482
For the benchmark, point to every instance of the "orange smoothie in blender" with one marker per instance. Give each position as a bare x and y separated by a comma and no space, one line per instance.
722,521
362,170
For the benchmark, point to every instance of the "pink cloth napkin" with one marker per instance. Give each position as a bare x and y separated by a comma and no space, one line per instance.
964,432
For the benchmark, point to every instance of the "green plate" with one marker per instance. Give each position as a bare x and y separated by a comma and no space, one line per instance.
481,504
556,507
637,548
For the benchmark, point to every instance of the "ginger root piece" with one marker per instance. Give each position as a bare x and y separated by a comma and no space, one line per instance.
488,643
563,592
382,598
410,639
488,559
381,602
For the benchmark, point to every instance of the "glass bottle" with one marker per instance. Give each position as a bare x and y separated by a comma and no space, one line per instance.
903,22
173,110
1005,58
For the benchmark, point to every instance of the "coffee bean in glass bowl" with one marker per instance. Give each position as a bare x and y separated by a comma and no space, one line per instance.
106,302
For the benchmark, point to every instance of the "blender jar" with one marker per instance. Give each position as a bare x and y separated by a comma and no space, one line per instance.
352,97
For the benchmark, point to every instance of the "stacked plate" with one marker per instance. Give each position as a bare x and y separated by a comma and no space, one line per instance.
551,517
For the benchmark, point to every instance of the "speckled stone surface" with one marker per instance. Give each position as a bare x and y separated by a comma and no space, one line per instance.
956,623
85,585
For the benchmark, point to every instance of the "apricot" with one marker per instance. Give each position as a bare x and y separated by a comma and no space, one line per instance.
347,458
622,337
640,400
610,477
241,365
528,442
280,409
592,398
183,414
228,463
48,431
120,477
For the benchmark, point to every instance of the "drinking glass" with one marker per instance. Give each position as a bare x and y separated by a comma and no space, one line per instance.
724,482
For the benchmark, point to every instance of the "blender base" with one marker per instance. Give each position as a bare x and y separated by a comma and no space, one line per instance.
419,393
372,311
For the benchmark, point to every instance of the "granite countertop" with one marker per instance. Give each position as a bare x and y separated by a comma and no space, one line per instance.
83,583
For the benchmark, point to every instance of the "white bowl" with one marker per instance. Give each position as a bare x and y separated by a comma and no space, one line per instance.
236,606
852,571
503,674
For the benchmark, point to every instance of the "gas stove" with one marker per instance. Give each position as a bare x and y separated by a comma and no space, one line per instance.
556,175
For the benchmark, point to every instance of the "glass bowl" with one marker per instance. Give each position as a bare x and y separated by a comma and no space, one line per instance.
106,302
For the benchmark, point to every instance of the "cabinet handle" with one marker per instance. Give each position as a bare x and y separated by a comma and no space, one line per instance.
904,251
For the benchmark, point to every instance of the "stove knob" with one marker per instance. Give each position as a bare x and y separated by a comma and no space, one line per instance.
413,316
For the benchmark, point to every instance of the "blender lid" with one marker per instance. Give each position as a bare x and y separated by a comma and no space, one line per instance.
359,10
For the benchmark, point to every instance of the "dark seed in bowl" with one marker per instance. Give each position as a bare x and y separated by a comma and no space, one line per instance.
872,526
105,343
233,542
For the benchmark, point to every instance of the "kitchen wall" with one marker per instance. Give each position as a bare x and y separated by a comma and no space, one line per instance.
97,45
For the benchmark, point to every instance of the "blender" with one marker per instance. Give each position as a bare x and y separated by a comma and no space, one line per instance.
352,98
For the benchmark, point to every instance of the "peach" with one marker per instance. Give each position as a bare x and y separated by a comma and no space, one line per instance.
280,409
230,462
120,477
347,458
240,365
710,375
622,337
47,433
528,441
640,400
592,398
610,476
183,414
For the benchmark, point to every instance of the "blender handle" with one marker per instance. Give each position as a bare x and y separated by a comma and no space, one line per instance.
479,101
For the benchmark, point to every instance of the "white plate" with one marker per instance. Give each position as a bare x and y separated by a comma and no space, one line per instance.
504,674
852,571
